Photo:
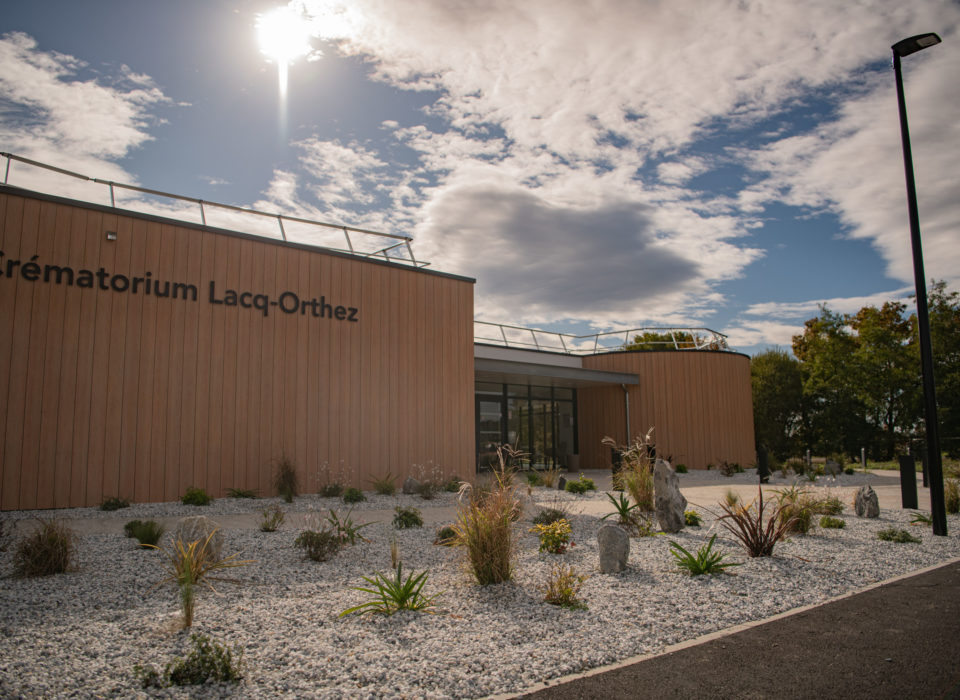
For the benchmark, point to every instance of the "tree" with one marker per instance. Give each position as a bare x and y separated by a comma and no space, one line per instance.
777,385
944,311
673,340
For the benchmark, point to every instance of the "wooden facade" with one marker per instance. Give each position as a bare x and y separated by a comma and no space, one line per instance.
141,390
698,403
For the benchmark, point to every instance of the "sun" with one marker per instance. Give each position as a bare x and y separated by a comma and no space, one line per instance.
284,35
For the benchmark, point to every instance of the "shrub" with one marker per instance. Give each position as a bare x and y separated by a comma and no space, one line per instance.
829,505
147,533
318,545
453,485
849,471
729,468
951,495
533,479
344,529
691,518
581,485
446,536
485,528
241,493
351,494
189,564
681,469
554,537
285,480
828,522
795,509
407,517
705,561
114,503
548,477
428,489
51,549
272,518
548,515
384,485
332,490
747,524
209,661
391,595
195,497
895,534
562,588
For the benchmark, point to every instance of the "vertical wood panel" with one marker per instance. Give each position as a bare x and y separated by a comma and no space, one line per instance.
190,370
233,280
131,405
11,211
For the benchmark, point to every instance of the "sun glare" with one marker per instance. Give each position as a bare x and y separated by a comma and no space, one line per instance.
284,35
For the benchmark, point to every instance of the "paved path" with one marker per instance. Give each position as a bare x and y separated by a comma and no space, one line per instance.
898,640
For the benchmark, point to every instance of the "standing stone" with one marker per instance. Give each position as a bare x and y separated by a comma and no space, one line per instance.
561,483
614,546
866,503
198,528
411,486
670,503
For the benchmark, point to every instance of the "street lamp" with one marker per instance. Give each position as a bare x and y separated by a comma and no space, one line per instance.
934,465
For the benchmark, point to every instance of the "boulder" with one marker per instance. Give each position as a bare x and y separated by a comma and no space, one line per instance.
561,483
411,486
198,528
669,502
614,545
866,503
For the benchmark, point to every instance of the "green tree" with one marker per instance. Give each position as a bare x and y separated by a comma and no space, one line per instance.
671,340
777,385
944,310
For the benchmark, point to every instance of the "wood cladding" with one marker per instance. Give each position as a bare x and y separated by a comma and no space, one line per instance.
698,403
113,388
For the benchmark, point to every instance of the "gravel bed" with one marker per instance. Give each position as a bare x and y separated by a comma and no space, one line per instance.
79,634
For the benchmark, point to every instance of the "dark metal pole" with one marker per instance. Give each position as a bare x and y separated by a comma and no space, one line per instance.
937,508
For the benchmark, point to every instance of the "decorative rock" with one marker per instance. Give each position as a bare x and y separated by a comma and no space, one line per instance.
199,527
561,483
614,546
669,502
411,486
832,468
866,503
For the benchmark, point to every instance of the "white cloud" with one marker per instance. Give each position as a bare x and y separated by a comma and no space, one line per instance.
762,334
844,305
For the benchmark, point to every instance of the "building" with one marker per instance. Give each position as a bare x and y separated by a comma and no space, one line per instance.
142,355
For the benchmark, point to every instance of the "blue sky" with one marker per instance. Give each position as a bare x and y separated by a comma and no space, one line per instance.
594,165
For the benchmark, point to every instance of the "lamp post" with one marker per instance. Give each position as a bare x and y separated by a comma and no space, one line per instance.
934,465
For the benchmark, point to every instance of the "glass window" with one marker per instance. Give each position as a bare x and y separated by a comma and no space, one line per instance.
518,390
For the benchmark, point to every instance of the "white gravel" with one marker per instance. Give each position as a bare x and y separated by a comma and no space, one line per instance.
79,634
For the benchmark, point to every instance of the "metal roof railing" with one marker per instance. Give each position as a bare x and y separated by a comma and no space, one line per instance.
396,242
670,337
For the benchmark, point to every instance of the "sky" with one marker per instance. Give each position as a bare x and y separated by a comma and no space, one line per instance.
594,165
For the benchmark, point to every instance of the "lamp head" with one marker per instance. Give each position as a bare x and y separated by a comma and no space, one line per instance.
914,44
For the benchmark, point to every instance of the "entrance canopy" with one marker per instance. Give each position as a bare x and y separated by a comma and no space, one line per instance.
515,366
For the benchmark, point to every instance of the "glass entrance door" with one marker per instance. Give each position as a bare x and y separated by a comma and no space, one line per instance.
489,430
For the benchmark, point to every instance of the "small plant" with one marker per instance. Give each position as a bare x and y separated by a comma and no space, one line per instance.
347,531
951,495
391,595
195,497
189,564
830,505
272,518
114,503
428,489
407,517
453,485
285,480
828,522
533,479
49,550
705,561
446,536
548,477
384,485
352,494
562,588
485,529
849,471
624,510
644,526
581,486
796,507
147,533
731,498
691,518
681,469
747,524
896,534
241,493
729,468
332,490
921,519
318,545
210,661
555,537
548,515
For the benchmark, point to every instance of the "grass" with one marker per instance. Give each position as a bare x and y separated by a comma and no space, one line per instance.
241,493
146,532
951,495
385,485
390,595
704,562
446,536
548,515
114,503
195,497
407,517
796,509
51,549
272,518
285,480
563,588
208,662
331,490
828,522
921,519
747,524
318,545
347,531
352,494
895,534
191,563
485,529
